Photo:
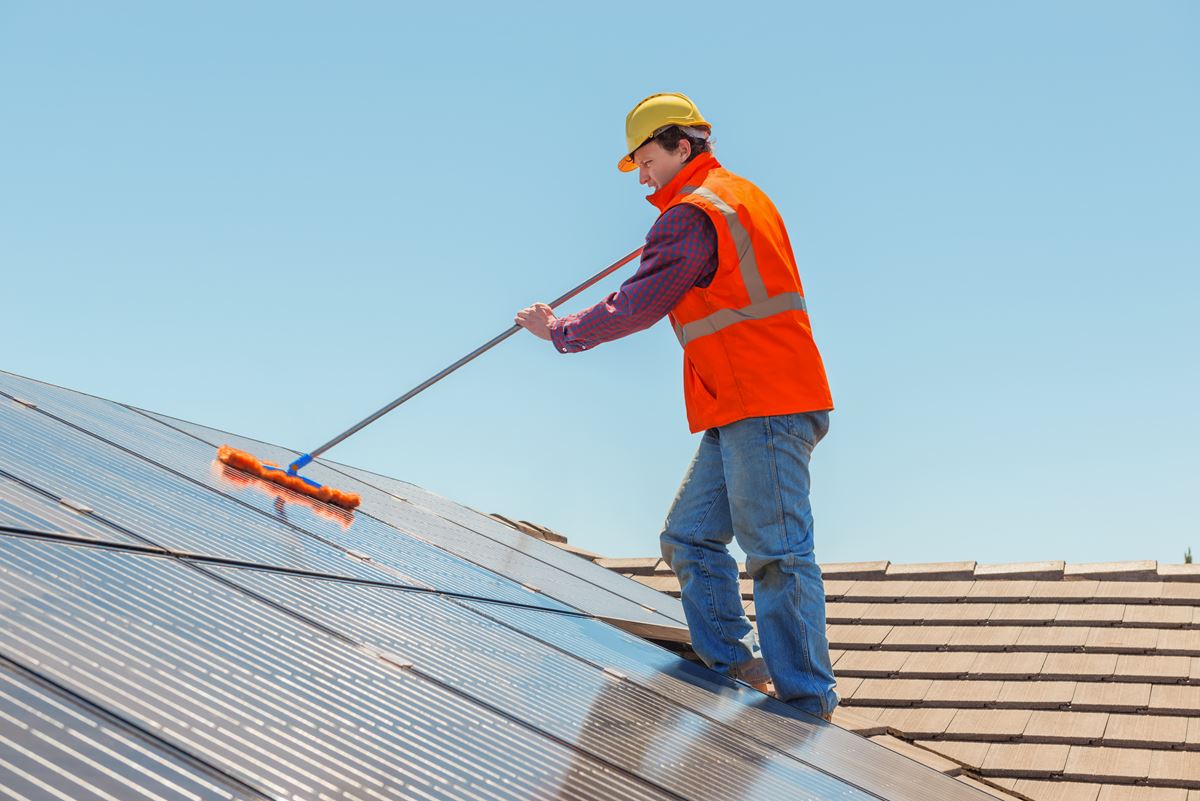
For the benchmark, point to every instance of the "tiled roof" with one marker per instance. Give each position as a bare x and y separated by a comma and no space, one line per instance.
1046,680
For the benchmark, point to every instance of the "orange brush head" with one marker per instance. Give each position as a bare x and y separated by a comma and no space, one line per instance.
248,463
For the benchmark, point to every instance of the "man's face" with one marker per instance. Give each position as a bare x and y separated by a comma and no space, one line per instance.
657,166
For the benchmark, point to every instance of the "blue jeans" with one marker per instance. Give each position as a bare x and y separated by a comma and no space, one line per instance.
750,481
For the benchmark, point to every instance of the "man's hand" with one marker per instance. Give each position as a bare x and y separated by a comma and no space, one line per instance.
536,319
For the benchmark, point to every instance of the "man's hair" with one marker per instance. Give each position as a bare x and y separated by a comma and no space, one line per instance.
670,137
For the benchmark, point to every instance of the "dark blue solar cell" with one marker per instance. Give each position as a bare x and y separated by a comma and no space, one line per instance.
276,703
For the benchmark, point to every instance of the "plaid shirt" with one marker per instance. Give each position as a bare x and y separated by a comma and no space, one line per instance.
680,253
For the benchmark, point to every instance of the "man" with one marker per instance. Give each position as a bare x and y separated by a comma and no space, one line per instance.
718,262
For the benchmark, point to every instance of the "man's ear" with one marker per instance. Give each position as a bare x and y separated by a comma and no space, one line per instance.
685,148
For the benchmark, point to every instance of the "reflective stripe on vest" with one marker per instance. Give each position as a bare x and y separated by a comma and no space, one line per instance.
723,318
761,305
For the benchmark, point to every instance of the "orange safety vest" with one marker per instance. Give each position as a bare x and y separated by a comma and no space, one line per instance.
748,349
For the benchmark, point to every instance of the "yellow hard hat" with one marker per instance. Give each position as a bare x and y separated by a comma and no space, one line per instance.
657,111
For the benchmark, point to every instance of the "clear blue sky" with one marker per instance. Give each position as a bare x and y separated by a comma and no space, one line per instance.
276,217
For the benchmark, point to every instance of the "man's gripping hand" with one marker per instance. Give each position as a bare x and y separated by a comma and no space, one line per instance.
536,319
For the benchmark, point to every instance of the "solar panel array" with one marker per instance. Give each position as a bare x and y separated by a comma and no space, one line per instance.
173,630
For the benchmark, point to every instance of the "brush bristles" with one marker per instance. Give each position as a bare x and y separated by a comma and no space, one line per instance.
250,464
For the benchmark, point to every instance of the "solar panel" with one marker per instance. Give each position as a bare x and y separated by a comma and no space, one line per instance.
280,705
484,541
598,712
718,698
54,746
23,508
523,560
182,512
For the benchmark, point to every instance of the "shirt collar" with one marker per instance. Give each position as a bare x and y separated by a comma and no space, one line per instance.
692,174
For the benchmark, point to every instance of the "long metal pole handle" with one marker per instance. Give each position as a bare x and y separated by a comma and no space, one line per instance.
427,383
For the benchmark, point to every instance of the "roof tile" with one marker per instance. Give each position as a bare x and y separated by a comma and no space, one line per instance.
853,636
964,693
1179,641
1036,694
960,612
1051,571
891,692
941,570
1110,696
855,570
1136,731
1128,641
638,566
1079,667
846,686
836,589
877,590
1042,790
925,757
937,664
1176,767
986,788
1079,590
988,724
1158,615
667,584
917,723
1101,764
1128,792
1180,592
1186,572
1143,592
971,754
1193,732
996,590
1022,614
895,613
1175,698
856,721
1112,570
1052,638
1066,727
1025,759
938,590
1139,667
871,663
1089,613
920,638
842,612
1008,665
984,638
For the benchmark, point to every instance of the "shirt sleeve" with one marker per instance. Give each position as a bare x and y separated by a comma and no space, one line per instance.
680,253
